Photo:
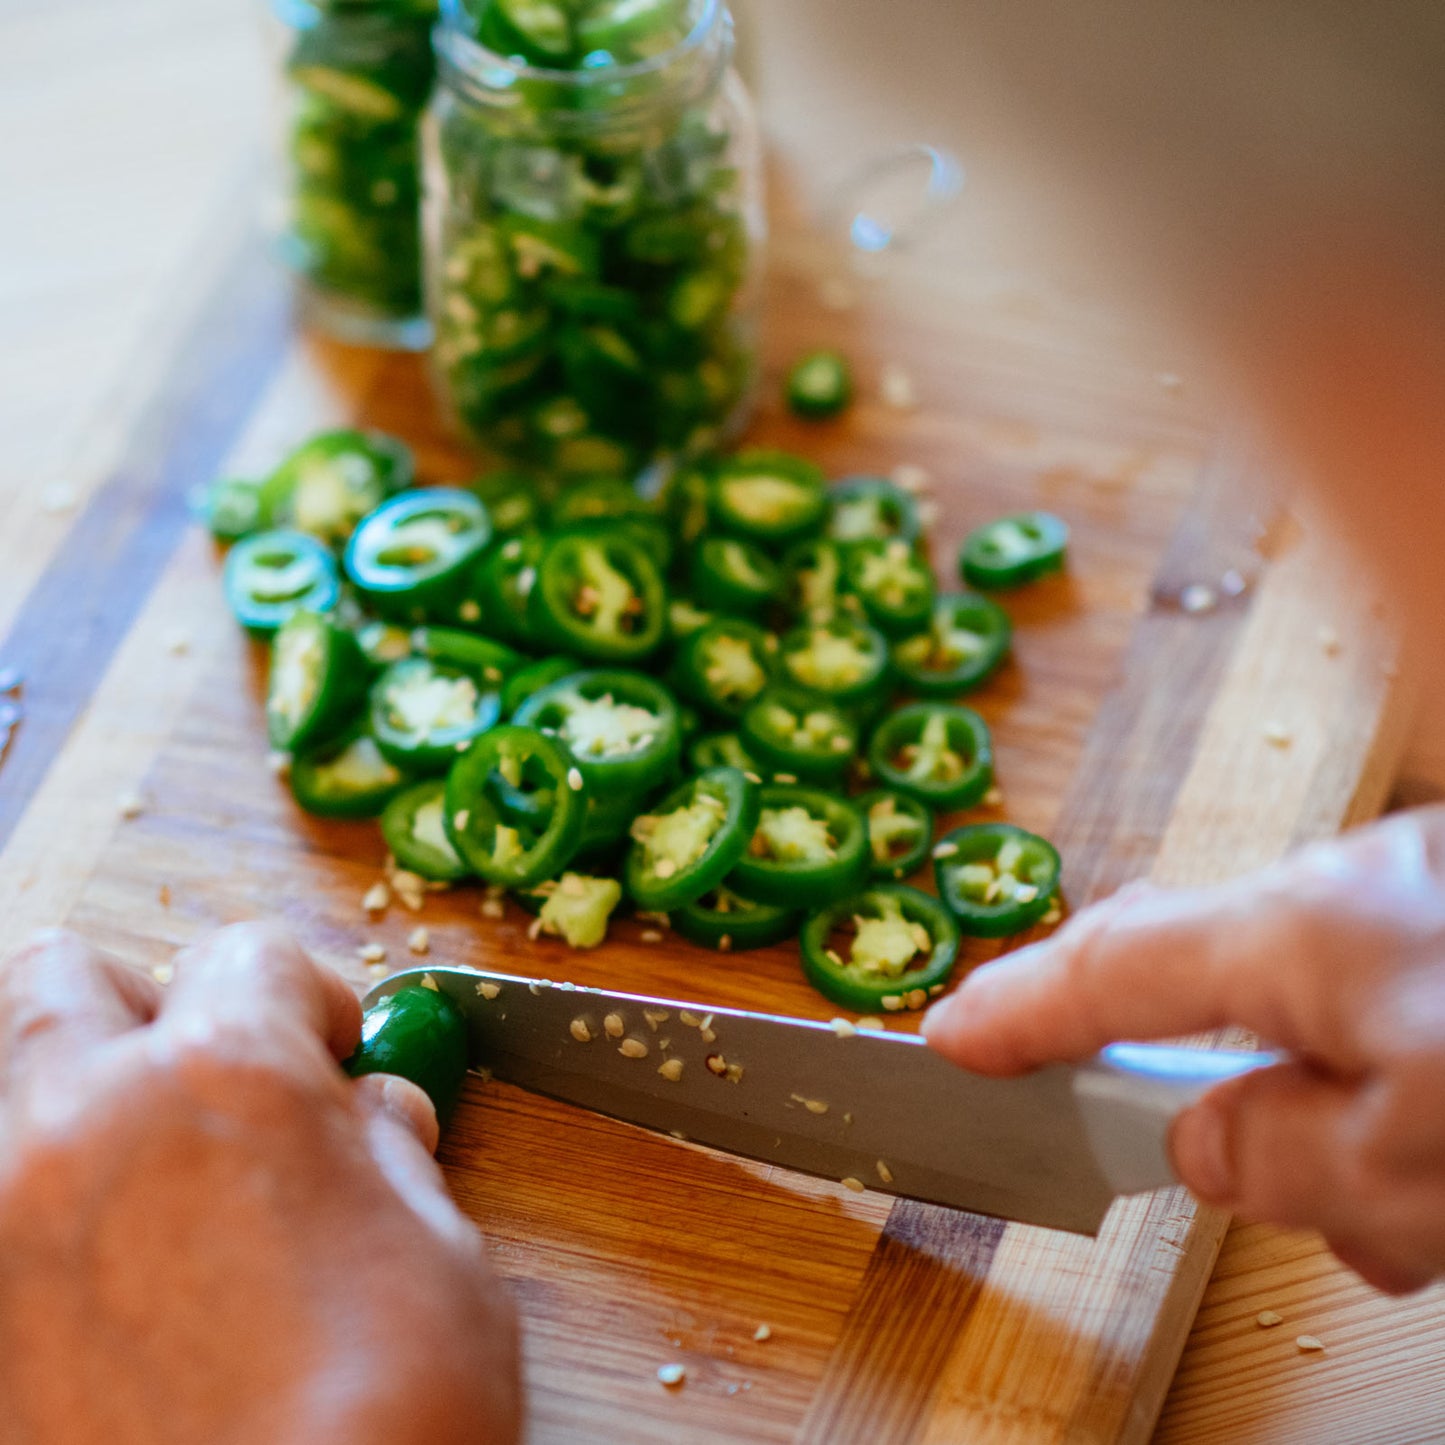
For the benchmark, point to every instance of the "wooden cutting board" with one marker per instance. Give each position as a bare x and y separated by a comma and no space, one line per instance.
1131,728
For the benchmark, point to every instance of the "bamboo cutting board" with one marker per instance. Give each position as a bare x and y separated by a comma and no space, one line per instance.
1130,728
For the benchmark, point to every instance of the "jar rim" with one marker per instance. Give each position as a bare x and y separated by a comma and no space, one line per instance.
472,56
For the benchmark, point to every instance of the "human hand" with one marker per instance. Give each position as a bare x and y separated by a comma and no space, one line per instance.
210,1234
1336,955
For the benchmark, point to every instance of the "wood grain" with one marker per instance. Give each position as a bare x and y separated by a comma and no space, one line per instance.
617,1244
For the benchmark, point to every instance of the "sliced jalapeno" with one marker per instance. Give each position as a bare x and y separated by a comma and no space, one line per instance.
817,588
894,584
967,639
418,1034
515,854
845,662
621,727
576,908
411,558
723,920
318,679
233,509
512,500
692,840
941,755
382,643
799,734
768,498
722,750
270,575
685,617
329,483
1014,550
489,663
423,713
729,575
900,832
347,777
600,596
809,846
996,878
533,677
867,508
503,585
819,385
888,948
723,666
413,825
603,499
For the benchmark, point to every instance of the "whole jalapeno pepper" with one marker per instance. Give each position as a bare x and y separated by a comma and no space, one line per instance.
887,948
809,846
996,878
418,1034
940,754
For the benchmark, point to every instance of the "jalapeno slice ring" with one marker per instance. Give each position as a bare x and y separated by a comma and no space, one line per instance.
815,581
866,508
900,832
966,641
599,595
820,385
796,733
317,680
621,727
996,878
843,661
726,921
768,498
723,666
894,584
413,825
504,583
722,750
809,846
533,677
692,840
270,575
423,713
942,755
519,853
730,575
490,663
348,777
411,558
232,508
888,948
330,482
1014,550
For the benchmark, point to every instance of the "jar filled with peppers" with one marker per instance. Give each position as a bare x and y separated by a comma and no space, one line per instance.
594,230
357,76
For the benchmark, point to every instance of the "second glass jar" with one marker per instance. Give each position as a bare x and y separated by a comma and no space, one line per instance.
594,230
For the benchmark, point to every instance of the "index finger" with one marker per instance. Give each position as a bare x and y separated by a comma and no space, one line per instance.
252,972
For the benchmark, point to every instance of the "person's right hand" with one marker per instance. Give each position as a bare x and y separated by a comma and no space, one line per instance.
209,1234
1336,955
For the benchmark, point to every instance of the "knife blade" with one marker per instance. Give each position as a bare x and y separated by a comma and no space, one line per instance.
866,1107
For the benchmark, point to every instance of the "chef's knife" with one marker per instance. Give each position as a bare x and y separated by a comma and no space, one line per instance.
869,1108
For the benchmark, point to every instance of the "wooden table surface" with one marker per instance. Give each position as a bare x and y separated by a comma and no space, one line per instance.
130,131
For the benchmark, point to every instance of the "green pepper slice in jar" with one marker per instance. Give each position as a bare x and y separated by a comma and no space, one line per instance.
893,582
599,595
413,826
797,734
900,832
621,727
317,680
418,1034
519,853
867,508
820,385
732,576
692,840
723,666
411,558
270,575
845,662
888,948
941,755
347,777
1014,550
768,498
423,713
724,920
967,639
809,846
996,878
328,484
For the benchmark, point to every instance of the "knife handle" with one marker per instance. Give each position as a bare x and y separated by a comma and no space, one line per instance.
1130,1095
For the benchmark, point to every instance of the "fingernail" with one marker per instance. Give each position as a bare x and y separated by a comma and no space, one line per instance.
1199,1149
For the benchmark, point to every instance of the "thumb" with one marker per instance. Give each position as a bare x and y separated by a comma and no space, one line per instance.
1273,1145
389,1097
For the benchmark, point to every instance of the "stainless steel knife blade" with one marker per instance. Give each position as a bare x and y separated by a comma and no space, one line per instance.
879,1109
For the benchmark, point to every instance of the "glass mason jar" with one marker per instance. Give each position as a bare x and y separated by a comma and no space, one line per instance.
594,230
357,77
